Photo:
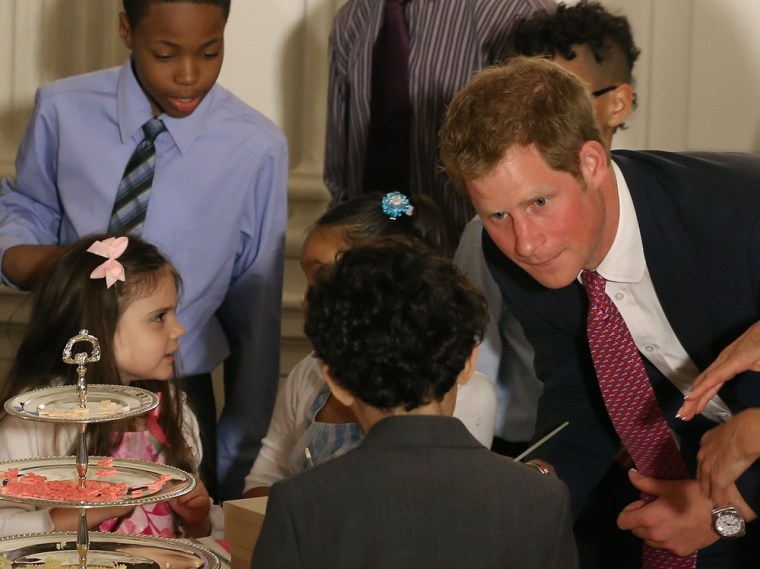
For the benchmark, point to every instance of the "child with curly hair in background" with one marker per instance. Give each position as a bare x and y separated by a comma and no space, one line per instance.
396,328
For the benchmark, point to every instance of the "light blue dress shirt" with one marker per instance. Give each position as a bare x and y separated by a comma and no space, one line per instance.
217,210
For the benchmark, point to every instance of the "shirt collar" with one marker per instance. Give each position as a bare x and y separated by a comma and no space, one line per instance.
134,110
423,431
625,260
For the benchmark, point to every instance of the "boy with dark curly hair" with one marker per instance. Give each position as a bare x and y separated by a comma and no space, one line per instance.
595,44
397,329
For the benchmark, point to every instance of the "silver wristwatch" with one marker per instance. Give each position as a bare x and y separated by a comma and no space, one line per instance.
728,522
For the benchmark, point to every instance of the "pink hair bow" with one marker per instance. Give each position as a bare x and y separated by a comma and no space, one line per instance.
111,269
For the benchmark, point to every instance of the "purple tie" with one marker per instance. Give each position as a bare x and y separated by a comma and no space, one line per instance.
387,164
631,403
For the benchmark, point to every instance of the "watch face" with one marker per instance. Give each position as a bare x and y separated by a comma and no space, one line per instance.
729,524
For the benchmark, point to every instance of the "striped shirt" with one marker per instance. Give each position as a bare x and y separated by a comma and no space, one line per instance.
450,41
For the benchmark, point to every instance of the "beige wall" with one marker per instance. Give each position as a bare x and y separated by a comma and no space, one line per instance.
697,83
698,78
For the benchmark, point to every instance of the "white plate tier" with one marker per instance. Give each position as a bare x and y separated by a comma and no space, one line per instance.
104,403
106,550
137,475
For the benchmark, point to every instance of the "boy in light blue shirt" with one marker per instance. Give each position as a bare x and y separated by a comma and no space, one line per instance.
217,207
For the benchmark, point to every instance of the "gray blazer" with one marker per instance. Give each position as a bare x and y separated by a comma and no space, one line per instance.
419,492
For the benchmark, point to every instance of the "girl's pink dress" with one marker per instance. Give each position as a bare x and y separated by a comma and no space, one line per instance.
151,519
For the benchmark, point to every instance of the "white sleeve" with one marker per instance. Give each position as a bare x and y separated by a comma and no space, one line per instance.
192,432
476,407
469,257
26,439
216,515
289,422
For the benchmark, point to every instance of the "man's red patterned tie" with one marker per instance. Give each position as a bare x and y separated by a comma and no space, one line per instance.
631,403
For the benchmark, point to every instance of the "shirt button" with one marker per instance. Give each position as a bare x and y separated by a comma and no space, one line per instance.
619,296
649,348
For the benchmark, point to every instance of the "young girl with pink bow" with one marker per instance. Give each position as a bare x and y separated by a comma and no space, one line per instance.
124,292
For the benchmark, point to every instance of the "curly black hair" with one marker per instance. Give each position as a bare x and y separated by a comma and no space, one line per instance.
551,33
394,322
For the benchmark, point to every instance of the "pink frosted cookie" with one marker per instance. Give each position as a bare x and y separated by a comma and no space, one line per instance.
39,487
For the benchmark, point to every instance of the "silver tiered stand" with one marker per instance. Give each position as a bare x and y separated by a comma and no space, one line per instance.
146,482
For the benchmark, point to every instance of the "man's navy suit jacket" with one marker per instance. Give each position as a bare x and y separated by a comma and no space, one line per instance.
699,217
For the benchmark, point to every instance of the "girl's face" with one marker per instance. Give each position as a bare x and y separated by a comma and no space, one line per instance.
321,248
147,334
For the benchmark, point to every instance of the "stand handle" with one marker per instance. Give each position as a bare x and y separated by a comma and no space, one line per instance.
83,539
80,359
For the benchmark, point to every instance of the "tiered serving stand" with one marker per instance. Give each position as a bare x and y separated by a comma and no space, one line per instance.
146,482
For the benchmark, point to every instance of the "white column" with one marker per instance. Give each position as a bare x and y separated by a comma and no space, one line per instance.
44,40
276,60
41,41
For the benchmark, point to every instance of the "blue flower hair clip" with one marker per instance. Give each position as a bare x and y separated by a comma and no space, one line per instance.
396,204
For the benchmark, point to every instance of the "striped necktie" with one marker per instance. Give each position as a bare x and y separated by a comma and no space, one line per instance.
631,403
132,198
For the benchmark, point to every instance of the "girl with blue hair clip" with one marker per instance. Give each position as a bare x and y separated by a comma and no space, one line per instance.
309,426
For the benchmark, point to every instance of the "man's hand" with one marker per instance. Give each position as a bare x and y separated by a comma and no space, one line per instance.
541,466
678,519
743,354
726,451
